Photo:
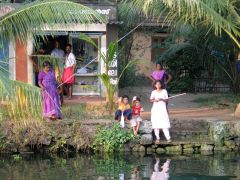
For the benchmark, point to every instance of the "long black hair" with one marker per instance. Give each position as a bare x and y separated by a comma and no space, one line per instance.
46,64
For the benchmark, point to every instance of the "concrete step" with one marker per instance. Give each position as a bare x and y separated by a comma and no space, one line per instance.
183,142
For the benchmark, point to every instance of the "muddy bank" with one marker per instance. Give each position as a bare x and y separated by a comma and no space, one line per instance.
198,136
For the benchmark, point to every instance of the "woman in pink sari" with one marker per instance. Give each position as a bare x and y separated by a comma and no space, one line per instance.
48,85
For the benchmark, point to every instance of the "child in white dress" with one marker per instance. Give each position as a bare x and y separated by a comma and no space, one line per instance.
159,113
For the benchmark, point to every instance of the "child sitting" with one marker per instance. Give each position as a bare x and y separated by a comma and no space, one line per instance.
136,110
123,108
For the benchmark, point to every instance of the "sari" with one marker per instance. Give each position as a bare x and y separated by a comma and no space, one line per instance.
51,100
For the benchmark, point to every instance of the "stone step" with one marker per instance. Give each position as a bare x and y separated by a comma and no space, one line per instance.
192,142
188,134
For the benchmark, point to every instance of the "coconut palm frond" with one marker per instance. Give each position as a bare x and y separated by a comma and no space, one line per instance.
173,49
20,100
111,52
34,17
131,13
213,14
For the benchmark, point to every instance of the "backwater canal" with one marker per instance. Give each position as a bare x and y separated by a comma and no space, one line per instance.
124,166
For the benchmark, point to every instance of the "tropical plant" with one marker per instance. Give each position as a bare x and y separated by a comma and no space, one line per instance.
111,139
22,24
219,15
112,165
108,59
194,53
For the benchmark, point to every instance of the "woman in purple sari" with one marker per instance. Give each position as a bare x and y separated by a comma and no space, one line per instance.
160,75
48,85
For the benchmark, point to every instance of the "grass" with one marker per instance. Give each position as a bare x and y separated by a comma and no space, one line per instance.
83,112
227,100
19,132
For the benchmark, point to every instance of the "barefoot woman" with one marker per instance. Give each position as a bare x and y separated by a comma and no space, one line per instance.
48,85
68,72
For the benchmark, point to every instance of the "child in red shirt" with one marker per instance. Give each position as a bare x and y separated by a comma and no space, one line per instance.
136,114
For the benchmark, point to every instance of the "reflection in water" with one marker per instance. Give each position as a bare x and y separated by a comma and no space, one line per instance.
162,174
135,174
120,167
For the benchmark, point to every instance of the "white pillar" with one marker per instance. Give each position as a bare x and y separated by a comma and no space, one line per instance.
12,61
30,73
103,48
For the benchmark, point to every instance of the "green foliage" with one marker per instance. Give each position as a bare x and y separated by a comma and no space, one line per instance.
108,58
17,157
194,54
31,17
3,143
20,101
183,84
219,16
129,77
112,165
110,139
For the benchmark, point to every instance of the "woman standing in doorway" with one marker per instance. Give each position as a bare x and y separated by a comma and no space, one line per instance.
68,72
48,85
159,114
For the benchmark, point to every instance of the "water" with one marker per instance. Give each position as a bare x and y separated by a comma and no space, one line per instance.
120,167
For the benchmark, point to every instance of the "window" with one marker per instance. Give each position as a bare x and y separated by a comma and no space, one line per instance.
158,46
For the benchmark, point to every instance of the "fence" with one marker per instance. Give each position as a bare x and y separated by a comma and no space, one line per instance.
213,85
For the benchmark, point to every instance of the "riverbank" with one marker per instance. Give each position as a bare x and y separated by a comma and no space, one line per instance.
201,135
194,130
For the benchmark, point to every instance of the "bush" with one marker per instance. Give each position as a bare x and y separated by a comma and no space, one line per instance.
184,84
110,139
129,77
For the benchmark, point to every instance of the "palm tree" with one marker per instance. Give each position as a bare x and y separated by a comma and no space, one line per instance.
218,15
23,23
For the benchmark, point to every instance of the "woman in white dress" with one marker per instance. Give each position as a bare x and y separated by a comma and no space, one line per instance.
159,113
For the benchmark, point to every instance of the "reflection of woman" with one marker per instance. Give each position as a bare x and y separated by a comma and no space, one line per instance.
164,173
51,101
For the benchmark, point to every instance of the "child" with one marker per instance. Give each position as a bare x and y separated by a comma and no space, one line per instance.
159,114
123,107
136,110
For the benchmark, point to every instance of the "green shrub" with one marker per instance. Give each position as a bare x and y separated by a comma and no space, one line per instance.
129,77
184,84
110,139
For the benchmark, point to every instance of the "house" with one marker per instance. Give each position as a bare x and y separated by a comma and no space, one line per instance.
148,43
87,81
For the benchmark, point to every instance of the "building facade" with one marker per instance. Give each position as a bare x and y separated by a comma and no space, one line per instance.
87,81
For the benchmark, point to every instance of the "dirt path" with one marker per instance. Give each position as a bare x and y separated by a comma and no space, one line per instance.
182,107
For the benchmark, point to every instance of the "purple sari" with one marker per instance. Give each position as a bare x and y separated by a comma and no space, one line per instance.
158,75
51,100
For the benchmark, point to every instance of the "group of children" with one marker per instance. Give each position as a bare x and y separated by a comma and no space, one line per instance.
130,114
159,111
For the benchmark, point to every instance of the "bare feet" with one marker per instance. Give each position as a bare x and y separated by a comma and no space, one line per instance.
135,133
169,140
157,141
